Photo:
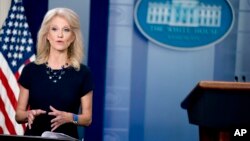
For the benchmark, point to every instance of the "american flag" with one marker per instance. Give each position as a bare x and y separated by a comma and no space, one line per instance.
16,50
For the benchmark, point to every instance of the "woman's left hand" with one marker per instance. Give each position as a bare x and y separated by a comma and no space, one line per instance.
61,118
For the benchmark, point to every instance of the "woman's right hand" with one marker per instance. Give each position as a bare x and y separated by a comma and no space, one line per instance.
31,115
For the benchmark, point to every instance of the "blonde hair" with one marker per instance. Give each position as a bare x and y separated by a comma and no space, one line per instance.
75,50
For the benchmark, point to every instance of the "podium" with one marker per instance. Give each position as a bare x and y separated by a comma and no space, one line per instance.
220,109
4,137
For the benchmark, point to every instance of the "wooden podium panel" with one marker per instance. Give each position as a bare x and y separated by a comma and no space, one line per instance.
219,108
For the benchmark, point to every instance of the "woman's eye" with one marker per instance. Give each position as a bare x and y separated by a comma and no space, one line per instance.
54,29
67,30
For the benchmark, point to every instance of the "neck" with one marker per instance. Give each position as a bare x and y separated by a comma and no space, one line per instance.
56,61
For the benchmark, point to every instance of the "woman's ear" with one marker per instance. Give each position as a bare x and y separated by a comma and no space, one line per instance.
47,37
73,38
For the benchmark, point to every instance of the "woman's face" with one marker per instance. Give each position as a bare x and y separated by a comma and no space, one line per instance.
60,34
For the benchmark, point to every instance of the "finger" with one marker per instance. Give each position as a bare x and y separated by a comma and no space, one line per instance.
39,112
53,109
57,122
33,112
54,124
52,114
31,116
54,128
56,119
29,123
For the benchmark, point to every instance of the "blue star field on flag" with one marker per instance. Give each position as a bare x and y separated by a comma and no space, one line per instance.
16,43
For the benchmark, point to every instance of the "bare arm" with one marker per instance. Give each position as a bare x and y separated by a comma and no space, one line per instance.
21,110
22,114
85,118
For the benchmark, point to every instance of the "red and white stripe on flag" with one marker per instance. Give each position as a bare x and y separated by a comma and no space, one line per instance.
16,50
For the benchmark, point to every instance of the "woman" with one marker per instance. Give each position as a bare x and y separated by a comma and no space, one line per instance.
54,86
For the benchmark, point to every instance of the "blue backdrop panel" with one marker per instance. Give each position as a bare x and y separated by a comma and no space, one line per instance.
35,11
97,63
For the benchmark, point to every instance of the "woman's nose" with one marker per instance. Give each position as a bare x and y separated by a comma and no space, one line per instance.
60,34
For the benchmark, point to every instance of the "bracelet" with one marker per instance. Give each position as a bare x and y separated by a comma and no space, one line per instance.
75,119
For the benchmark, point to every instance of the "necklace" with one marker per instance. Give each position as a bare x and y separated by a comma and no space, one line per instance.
55,75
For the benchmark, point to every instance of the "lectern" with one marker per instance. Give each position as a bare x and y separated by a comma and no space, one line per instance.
220,109
25,138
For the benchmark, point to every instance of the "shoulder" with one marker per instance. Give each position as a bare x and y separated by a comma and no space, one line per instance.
29,66
32,66
83,71
27,74
84,68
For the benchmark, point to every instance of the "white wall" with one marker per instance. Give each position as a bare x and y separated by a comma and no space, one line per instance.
4,8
